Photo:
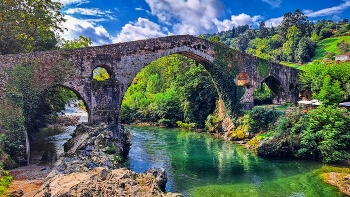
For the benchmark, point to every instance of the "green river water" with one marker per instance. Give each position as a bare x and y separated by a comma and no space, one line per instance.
199,165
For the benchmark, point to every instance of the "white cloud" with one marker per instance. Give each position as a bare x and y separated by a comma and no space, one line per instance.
76,27
87,11
69,2
328,11
273,3
274,22
139,9
187,16
141,29
236,20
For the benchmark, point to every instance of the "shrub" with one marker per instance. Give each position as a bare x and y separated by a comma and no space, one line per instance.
260,119
326,136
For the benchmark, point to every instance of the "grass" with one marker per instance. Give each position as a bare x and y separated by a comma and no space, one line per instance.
329,45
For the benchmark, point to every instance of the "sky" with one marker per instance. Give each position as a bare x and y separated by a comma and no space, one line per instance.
113,21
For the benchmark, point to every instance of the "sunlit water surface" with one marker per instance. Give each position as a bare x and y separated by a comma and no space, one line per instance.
199,165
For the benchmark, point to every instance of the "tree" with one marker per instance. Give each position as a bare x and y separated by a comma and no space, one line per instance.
289,47
326,33
214,39
81,42
343,46
263,31
305,51
330,92
242,28
260,48
326,136
28,25
298,19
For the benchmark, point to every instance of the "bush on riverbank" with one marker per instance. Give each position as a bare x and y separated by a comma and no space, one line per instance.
321,134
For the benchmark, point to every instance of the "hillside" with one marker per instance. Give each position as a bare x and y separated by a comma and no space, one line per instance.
329,45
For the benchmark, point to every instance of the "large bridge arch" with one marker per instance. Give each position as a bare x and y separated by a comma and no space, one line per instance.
124,60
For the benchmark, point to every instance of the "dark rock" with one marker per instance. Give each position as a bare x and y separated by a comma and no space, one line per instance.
160,175
17,193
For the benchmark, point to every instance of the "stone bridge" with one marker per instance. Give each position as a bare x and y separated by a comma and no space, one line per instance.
235,74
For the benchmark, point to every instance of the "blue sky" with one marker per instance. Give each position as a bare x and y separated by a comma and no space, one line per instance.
112,21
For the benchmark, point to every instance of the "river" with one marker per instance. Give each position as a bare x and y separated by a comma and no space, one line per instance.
47,145
199,165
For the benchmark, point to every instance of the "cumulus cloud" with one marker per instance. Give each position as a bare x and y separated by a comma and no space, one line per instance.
88,11
141,29
187,16
236,20
328,11
273,3
76,27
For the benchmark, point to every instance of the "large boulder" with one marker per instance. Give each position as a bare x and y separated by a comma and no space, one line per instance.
103,182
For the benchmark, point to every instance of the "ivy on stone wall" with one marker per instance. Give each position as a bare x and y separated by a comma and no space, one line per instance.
263,68
224,71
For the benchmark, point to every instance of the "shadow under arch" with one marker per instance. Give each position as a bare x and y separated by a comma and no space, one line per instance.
275,86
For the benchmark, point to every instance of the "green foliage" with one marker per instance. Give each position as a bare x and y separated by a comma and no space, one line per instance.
261,119
262,94
170,89
212,123
81,42
186,125
5,180
330,94
332,79
290,46
326,136
28,25
305,51
223,72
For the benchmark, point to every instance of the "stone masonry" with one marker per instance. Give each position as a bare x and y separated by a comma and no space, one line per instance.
124,60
